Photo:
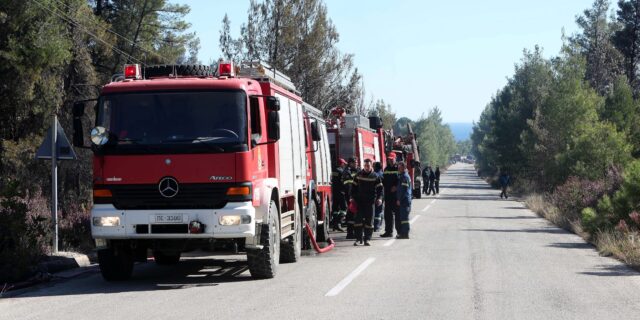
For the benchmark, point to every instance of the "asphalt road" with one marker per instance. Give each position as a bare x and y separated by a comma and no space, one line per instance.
471,256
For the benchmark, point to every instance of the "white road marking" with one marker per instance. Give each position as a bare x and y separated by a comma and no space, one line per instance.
426,208
347,280
389,242
433,201
414,219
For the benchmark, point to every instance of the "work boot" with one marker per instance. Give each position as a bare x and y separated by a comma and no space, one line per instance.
386,235
366,243
355,244
403,236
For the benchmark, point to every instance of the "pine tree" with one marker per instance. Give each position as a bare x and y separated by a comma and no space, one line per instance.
627,39
594,42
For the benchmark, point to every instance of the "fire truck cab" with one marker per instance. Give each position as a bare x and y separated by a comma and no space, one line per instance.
186,158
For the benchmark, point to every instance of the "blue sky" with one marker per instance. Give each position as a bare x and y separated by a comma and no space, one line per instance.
417,54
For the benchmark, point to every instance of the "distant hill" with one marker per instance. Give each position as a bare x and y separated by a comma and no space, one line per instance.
461,131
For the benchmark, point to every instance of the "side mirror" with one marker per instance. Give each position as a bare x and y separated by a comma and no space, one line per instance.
273,103
315,131
78,133
273,126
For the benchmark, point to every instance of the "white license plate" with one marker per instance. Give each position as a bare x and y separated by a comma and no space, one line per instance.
167,218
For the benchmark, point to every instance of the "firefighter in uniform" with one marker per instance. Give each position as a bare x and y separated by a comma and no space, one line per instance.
339,201
377,217
403,201
390,181
349,174
368,193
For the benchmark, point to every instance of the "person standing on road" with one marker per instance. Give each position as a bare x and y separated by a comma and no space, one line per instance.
377,218
368,193
432,181
348,178
390,181
425,179
505,179
437,181
404,201
338,195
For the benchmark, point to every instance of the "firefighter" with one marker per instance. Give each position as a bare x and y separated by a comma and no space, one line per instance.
377,218
349,174
368,193
339,201
403,201
390,181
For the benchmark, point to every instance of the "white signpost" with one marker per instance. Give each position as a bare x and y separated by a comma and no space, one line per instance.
56,147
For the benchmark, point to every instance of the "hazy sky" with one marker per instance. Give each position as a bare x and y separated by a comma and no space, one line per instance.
416,54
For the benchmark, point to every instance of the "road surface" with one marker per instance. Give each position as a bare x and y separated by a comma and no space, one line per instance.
471,256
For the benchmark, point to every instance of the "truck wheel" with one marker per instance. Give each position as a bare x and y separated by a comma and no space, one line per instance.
292,246
312,219
264,262
323,229
115,265
163,259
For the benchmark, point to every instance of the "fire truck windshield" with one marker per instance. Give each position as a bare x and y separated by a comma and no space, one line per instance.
174,122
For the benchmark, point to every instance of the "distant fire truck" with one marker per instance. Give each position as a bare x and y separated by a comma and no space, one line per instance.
355,136
406,149
184,158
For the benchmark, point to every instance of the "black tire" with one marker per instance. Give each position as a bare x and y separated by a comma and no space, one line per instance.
323,229
263,263
197,70
115,265
291,248
163,259
312,219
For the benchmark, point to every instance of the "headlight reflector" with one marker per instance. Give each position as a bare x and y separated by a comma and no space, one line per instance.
106,221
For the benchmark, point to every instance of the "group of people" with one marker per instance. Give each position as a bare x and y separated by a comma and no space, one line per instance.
431,180
361,195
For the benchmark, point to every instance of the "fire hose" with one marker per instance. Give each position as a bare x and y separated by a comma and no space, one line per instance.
315,244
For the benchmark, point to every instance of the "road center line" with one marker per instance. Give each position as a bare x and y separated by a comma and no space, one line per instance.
433,201
389,243
414,219
347,280
426,208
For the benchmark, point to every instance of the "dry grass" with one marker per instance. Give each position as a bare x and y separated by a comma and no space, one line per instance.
542,207
624,247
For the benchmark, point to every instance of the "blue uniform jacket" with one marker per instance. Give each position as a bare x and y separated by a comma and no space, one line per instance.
403,191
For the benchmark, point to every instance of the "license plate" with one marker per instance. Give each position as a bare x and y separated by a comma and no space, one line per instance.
167,218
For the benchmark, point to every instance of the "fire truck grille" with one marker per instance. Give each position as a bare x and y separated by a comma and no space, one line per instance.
190,196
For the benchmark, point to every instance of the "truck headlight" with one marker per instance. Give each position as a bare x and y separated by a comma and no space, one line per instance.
234,220
106,221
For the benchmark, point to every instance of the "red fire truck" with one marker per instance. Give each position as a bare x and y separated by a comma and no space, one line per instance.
355,136
406,149
184,158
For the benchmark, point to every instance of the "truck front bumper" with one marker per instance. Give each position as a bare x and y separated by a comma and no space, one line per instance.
143,224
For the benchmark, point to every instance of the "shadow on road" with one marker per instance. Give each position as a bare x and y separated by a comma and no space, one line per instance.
471,197
613,271
497,218
190,273
572,245
545,230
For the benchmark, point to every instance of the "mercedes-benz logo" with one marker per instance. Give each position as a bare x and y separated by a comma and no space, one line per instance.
168,187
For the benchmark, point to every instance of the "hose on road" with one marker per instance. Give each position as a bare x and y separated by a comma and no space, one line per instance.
315,244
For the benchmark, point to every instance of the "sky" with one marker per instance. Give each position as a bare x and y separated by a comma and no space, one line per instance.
418,54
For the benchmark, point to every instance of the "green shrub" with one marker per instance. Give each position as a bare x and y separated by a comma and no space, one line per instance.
24,235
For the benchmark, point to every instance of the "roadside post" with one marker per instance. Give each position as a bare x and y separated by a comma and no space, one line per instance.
56,147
